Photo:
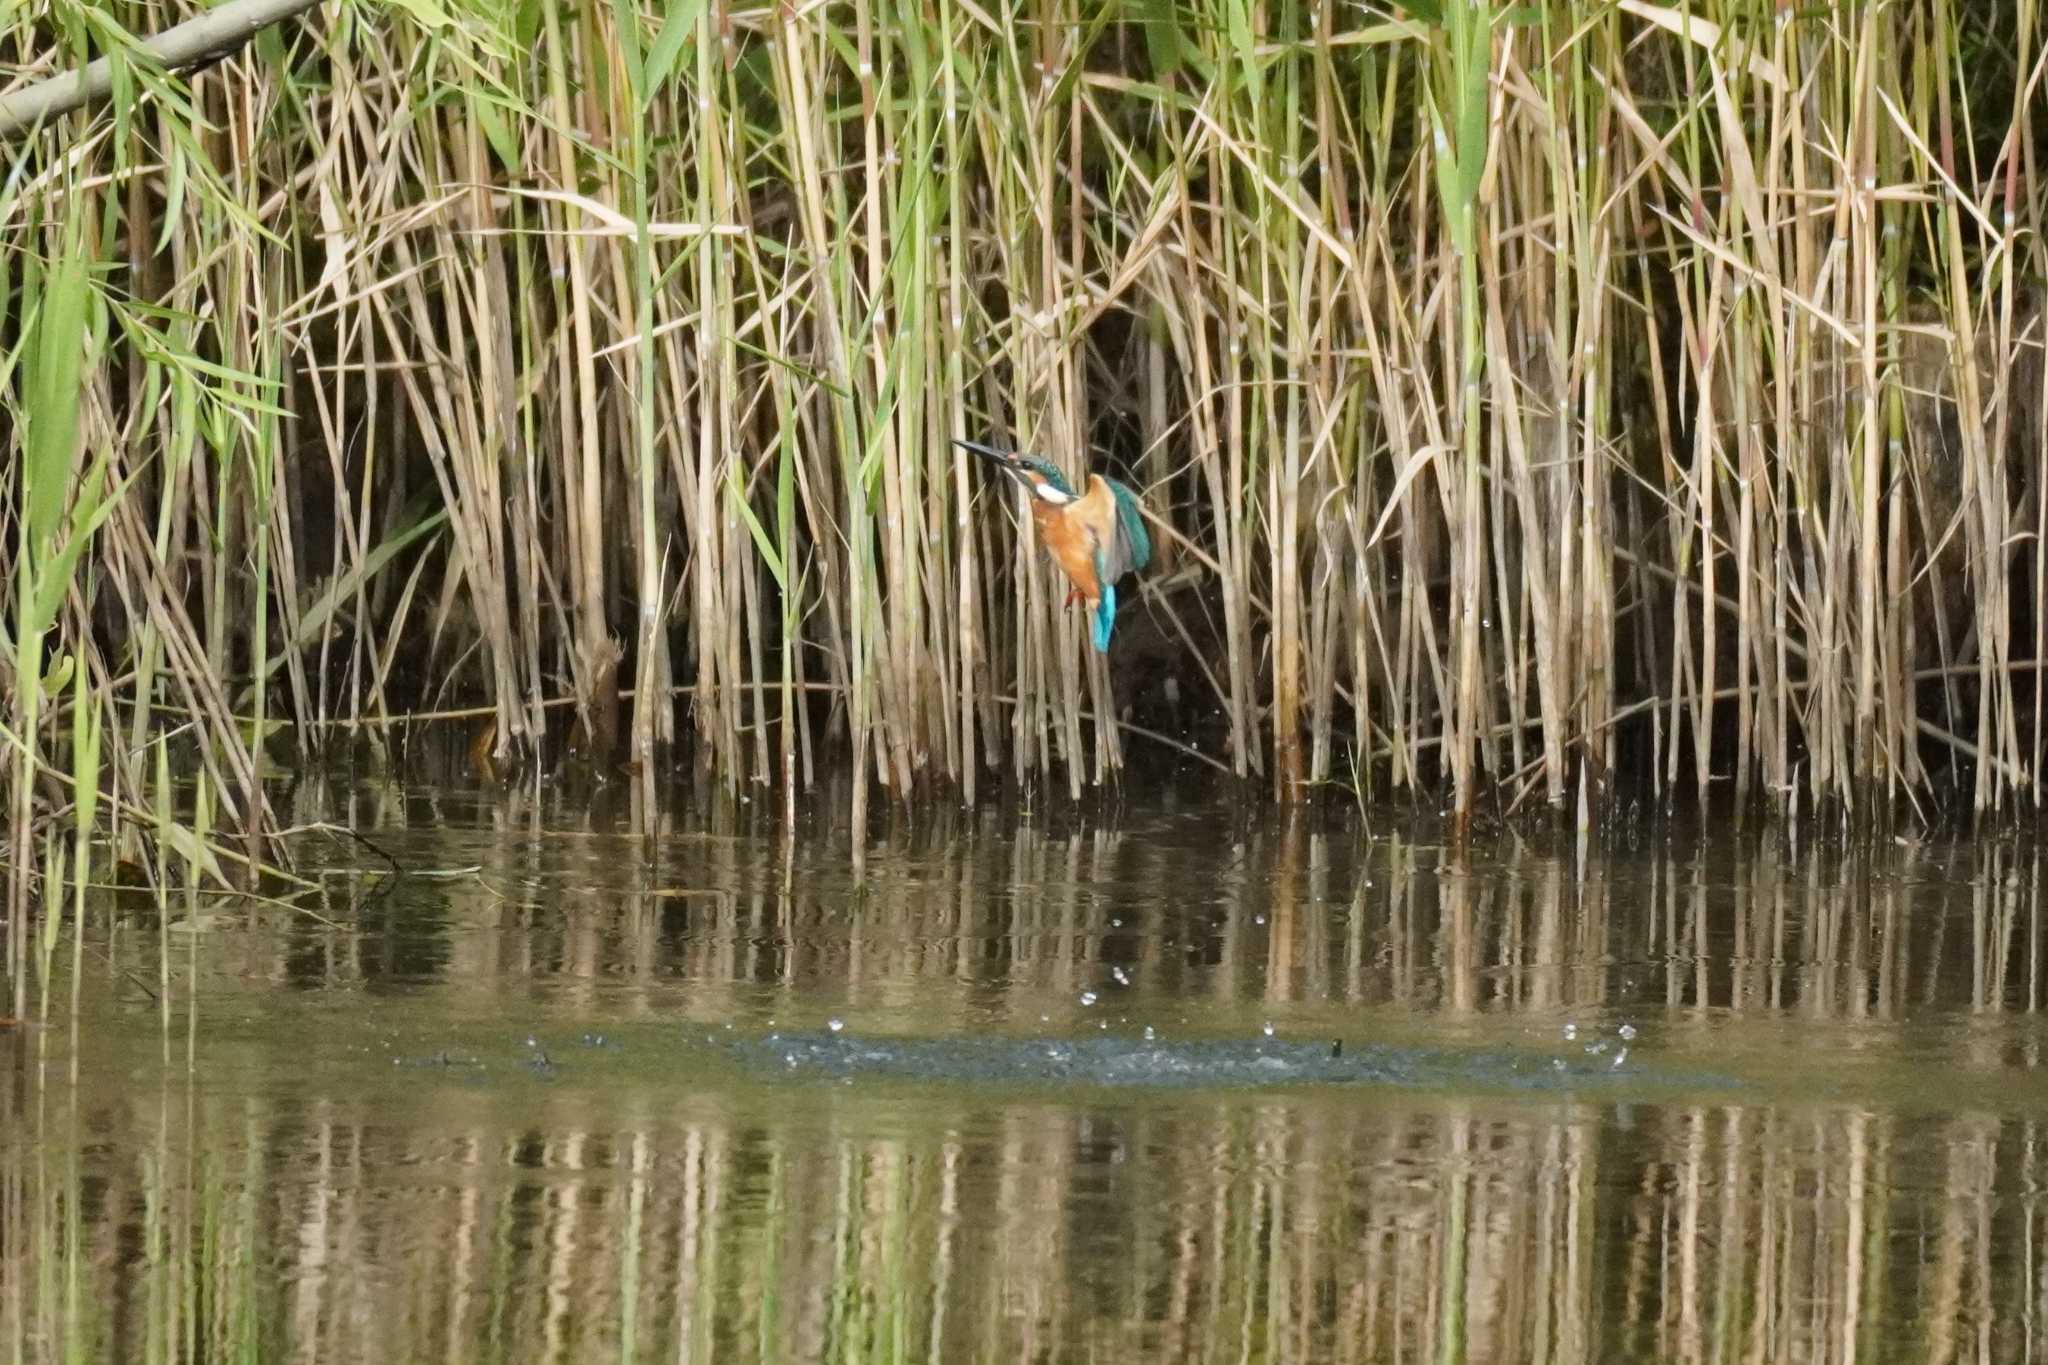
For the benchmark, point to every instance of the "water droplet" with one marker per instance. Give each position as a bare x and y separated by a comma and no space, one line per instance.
1627,1032
1087,998
1619,1058
1269,1028
835,1024
1557,1063
1258,919
1123,978
1150,1034
1571,1031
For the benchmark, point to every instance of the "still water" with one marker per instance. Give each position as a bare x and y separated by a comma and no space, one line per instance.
1152,1082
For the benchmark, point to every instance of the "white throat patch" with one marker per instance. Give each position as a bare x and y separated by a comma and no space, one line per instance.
1051,494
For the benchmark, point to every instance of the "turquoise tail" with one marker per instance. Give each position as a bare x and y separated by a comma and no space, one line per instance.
1104,618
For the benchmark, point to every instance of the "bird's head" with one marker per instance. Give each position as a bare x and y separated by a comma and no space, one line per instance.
1038,477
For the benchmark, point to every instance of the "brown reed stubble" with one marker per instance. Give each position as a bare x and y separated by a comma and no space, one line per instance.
1401,443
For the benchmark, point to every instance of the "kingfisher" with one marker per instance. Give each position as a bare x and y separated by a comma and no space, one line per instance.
1095,537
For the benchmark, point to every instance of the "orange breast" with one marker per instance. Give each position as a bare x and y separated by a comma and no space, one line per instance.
1073,548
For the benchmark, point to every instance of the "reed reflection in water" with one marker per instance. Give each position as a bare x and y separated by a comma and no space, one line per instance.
500,1115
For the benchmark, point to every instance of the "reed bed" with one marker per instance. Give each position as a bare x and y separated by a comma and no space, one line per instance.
1521,397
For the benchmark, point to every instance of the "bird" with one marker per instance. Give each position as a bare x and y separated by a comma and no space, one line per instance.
1095,537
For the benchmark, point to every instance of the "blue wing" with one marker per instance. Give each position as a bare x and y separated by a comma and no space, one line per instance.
1127,549
1130,547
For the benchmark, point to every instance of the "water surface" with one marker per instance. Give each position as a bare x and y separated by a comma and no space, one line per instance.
1152,1083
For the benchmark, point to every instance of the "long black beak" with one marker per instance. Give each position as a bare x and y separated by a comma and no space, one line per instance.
1005,460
